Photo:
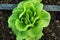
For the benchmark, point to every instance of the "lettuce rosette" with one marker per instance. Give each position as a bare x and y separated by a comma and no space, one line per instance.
28,20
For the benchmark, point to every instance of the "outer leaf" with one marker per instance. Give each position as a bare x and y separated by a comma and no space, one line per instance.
13,17
35,0
39,8
36,31
31,38
45,18
20,26
22,35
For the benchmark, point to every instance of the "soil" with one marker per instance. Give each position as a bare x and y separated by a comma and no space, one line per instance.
52,32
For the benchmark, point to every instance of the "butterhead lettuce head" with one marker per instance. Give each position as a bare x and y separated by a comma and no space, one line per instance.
28,19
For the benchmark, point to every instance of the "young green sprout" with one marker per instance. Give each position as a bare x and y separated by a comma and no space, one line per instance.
28,20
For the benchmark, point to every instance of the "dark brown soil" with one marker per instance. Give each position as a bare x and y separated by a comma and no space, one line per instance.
52,2
52,32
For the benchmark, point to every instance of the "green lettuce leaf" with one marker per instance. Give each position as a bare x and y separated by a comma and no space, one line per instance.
34,0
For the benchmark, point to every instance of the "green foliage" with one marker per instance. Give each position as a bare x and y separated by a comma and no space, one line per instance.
28,19
34,0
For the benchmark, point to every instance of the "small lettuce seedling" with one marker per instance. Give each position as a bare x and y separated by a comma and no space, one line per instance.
28,19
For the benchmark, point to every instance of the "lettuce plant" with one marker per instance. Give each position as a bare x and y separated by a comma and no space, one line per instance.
28,20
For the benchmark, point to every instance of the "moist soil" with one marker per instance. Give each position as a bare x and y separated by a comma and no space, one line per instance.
52,32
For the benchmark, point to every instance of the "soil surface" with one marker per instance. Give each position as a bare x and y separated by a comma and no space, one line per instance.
52,32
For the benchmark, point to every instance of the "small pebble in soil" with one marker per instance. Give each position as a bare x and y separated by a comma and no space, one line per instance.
57,21
53,34
10,32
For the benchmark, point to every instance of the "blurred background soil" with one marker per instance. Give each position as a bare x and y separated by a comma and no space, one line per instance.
52,32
